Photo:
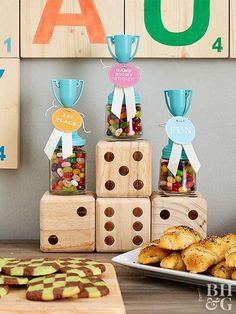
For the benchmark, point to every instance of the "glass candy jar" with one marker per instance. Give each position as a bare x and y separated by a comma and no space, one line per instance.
118,127
68,176
184,182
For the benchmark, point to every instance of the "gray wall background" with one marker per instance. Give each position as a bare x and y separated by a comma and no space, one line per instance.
213,112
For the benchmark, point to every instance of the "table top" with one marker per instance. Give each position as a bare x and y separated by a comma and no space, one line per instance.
141,294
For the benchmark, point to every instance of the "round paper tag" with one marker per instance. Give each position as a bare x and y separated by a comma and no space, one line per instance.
180,130
67,120
124,75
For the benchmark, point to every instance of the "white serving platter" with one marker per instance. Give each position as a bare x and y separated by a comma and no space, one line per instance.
130,259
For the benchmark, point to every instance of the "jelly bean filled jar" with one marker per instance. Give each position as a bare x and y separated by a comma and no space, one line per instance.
118,127
68,176
183,182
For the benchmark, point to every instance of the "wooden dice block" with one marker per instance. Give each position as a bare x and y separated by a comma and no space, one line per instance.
122,224
168,211
124,169
67,223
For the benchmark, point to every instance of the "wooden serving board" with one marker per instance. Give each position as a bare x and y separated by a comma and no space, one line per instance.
16,303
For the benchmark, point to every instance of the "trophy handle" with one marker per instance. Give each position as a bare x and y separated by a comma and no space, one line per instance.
137,39
188,95
80,83
112,40
167,100
56,83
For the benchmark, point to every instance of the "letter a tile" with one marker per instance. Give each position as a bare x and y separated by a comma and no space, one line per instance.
179,28
69,28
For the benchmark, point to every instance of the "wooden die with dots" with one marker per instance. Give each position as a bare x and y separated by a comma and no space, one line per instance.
122,224
124,169
67,223
169,211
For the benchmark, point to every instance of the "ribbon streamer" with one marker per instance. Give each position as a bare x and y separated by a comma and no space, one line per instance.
53,140
176,154
117,102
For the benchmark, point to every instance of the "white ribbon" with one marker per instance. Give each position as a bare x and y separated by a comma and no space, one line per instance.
176,154
117,102
53,140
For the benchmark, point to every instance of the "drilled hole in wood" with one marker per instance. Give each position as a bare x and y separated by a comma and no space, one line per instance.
193,214
137,240
165,214
137,226
82,211
138,184
53,239
109,226
109,212
123,171
110,185
109,156
137,212
137,156
109,240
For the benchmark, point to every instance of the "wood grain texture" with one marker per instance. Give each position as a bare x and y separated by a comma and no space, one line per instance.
122,224
178,210
9,26
69,41
141,294
137,182
71,219
16,303
10,112
177,16
233,29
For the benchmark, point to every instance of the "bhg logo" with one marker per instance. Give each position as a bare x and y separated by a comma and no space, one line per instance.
219,297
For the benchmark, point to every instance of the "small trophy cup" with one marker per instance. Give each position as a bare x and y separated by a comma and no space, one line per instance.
123,47
68,91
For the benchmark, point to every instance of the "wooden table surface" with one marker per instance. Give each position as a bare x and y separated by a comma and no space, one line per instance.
142,295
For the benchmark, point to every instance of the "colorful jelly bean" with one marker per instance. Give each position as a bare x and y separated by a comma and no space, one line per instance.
183,182
120,127
68,175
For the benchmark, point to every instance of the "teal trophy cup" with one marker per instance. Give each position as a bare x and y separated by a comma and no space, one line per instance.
70,91
178,101
1,72
123,47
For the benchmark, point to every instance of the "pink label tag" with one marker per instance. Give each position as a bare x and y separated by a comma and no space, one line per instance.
124,75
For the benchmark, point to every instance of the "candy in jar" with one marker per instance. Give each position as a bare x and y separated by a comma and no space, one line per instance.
183,182
119,127
68,176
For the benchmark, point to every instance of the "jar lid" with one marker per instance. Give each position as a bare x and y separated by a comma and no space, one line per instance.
111,95
76,140
167,151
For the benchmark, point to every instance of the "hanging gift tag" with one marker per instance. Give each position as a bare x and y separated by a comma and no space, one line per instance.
124,75
180,130
67,120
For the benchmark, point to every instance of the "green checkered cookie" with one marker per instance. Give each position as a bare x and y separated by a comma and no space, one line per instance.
30,267
53,287
3,261
13,281
81,267
94,287
3,291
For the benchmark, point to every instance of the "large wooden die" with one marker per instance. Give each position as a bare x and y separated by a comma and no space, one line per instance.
67,223
124,169
122,224
168,211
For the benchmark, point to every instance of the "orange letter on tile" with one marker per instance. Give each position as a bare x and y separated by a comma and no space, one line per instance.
52,17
